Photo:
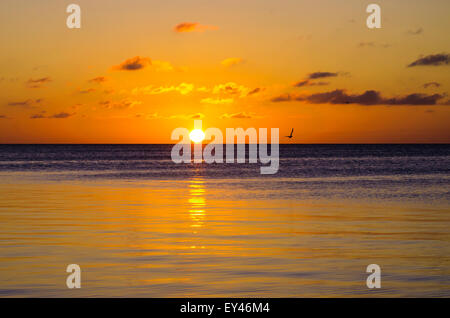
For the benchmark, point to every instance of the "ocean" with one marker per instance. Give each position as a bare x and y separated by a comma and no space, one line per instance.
139,225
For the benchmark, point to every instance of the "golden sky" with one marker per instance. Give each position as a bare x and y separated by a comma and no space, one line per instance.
137,69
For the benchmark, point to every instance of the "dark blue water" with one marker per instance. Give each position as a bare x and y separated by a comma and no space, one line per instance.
154,161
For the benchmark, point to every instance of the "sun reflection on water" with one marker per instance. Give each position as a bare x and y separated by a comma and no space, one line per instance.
197,202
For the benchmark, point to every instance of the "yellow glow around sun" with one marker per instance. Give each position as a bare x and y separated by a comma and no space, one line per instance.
197,135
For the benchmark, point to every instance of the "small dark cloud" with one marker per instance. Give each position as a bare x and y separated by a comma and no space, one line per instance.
369,97
431,84
26,103
415,31
98,79
310,83
317,75
37,116
3,117
254,91
122,104
61,115
283,98
433,59
86,91
311,77
38,83
133,64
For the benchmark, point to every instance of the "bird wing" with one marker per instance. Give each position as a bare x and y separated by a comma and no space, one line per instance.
292,131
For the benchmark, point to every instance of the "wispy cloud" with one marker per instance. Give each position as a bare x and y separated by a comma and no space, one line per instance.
26,103
98,79
133,64
317,75
231,88
123,104
148,116
189,116
86,91
311,77
433,59
240,115
61,115
369,97
193,27
255,91
183,88
310,83
431,84
138,63
38,83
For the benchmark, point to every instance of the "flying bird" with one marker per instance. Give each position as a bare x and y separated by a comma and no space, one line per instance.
290,136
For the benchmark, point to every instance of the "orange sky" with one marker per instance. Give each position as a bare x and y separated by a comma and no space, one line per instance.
138,69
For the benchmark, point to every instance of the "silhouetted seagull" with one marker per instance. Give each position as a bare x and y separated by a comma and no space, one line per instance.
290,136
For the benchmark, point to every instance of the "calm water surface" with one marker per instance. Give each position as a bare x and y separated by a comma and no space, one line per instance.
139,225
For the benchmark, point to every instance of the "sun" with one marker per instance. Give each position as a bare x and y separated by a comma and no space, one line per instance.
197,135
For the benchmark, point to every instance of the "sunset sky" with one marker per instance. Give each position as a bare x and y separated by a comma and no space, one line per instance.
137,69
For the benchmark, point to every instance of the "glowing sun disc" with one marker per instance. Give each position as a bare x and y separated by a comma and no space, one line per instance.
197,135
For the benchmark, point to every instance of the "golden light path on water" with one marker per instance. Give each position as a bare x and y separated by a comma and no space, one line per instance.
197,237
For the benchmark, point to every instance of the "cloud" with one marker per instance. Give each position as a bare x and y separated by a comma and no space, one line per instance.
311,77
26,103
98,80
284,98
433,59
217,101
148,116
38,83
183,89
37,116
240,115
61,115
415,31
86,91
193,27
309,83
254,91
431,84
191,116
123,104
317,75
369,97
3,117
133,64
197,116
232,61
231,88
